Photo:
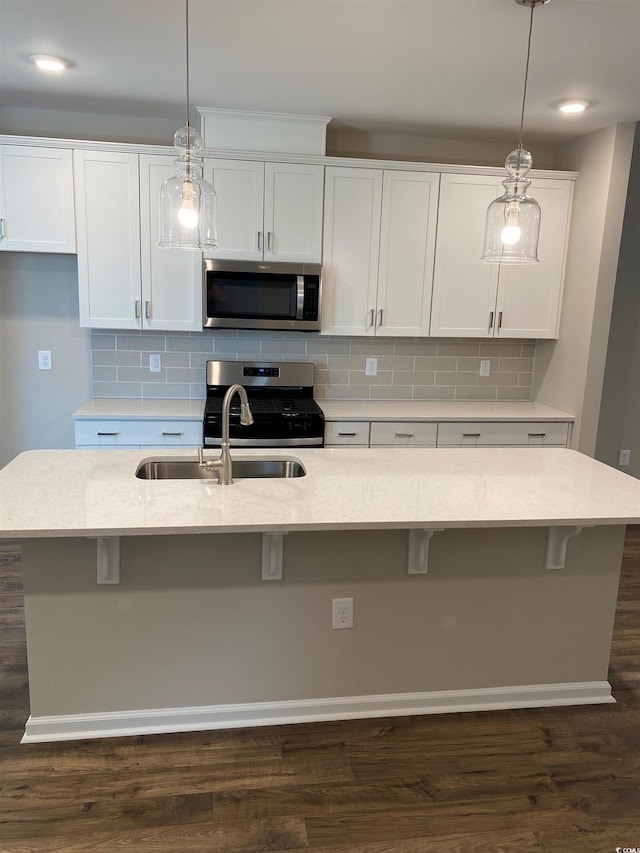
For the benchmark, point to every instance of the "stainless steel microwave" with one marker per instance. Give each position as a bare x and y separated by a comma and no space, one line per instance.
262,295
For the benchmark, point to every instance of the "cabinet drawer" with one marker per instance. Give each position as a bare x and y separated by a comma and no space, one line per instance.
348,433
502,433
403,434
142,433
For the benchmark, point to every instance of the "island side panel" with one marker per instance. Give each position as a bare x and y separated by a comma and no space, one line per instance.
192,624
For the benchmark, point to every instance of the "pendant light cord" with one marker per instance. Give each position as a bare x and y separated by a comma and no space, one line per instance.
186,30
526,72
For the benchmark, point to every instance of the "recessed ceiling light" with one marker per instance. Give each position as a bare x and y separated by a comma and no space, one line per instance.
571,107
49,63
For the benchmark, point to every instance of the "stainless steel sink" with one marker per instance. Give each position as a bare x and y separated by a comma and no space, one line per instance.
189,469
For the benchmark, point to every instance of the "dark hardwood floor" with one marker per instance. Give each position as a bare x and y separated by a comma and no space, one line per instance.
557,779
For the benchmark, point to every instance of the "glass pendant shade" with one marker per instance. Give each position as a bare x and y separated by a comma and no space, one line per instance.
187,200
513,219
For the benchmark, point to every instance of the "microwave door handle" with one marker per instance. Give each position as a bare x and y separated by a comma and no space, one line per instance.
300,297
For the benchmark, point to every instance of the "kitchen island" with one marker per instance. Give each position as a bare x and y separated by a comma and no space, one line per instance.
481,578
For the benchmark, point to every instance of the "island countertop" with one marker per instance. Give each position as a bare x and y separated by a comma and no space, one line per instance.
50,493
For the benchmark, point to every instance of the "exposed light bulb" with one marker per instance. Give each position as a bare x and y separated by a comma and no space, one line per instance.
510,234
187,214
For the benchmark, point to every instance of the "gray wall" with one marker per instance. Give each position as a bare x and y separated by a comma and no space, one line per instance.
39,311
619,425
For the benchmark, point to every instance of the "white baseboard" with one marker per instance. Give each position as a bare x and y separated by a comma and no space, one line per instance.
166,720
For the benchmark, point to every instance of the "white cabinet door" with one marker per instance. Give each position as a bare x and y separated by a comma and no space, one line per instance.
36,200
529,296
293,201
108,225
464,288
352,210
171,278
239,187
407,245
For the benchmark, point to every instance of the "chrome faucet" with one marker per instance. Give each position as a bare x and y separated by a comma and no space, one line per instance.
223,465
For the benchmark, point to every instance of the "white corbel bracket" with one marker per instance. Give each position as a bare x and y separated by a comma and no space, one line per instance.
418,562
557,539
108,559
272,556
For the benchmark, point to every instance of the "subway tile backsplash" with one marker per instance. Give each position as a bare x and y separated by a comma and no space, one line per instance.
408,368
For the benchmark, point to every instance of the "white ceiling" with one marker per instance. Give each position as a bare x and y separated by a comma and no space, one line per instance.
408,66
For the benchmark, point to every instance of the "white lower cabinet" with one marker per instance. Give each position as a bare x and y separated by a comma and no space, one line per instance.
403,434
143,433
503,434
446,434
346,433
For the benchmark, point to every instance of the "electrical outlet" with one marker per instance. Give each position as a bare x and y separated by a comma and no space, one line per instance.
624,458
342,613
155,363
485,367
44,360
371,367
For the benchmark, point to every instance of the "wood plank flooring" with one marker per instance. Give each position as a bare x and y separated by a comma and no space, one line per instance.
557,779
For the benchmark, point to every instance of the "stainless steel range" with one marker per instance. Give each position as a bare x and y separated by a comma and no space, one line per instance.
281,399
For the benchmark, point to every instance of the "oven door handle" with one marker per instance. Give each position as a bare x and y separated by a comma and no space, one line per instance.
299,297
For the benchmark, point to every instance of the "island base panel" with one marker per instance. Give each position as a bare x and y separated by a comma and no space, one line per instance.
192,637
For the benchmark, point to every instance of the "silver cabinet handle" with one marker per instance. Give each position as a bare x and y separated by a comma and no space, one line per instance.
490,321
536,434
1,229
347,434
137,309
471,434
404,435
269,241
260,239
499,320
372,315
108,433
380,314
173,433
147,309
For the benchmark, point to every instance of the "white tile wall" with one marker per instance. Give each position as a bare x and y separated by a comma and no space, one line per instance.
408,368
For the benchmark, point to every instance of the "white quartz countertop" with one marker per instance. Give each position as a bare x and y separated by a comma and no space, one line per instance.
438,410
125,409
95,493
336,410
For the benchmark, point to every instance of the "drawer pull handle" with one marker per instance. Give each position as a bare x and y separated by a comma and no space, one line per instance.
136,309
490,320
270,241
372,315
404,435
536,434
173,433
471,434
260,240
108,433
347,434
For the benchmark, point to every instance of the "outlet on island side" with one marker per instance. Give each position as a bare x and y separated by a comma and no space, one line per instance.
44,360
624,458
341,613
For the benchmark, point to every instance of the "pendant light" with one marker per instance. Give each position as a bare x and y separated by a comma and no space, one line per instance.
513,219
187,201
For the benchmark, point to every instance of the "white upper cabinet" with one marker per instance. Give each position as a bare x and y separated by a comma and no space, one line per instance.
474,299
379,238
125,280
267,211
171,278
36,200
108,221
407,247
352,213
529,296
